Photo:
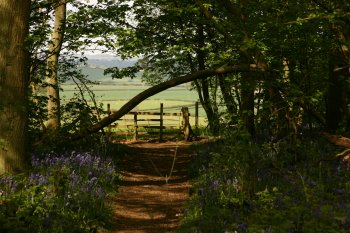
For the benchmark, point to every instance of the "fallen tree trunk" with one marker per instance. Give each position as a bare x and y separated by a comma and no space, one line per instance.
337,140
161,87
341,141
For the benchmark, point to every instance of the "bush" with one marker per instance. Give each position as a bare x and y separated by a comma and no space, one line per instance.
289,186
64,193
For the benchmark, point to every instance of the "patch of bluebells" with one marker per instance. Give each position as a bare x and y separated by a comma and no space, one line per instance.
8,185
289,195
62,193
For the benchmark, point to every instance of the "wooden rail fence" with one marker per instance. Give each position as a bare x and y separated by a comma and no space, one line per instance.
162,117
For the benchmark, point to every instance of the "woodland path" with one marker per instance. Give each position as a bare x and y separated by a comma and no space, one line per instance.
147,201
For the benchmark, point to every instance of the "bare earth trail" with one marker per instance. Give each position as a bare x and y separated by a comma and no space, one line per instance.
149,201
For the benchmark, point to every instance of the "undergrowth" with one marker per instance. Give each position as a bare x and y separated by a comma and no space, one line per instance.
61,193
293,185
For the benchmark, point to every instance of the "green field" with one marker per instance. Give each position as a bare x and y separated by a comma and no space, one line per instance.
117,92
117,95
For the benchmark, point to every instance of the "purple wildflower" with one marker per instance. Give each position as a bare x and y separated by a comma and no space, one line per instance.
38,179
9,184
75,179
215,184
242,227
93,179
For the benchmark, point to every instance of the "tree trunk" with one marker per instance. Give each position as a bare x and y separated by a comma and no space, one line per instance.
279,108
247,100
334,95
247,97
203,87
208,107
229,100
14,71
53,104
338,98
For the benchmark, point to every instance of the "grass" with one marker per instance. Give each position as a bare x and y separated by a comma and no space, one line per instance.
123,91
117,95
167,120
146,134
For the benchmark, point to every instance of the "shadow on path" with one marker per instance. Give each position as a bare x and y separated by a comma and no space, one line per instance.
148,202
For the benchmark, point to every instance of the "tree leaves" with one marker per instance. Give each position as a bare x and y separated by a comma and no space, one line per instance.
120,73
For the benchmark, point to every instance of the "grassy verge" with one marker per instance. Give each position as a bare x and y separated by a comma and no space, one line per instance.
146,134
124,134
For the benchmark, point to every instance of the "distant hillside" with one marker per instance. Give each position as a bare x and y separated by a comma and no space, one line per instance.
101,63
108,60
96,74
97,63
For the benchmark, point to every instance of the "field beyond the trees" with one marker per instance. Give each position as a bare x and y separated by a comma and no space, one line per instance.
117,95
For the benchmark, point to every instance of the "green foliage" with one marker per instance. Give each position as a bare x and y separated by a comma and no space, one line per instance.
61,194
118,73
170,39
86,25
281,187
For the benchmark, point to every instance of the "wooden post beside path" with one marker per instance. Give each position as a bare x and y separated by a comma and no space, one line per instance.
161,123
186,123
135,127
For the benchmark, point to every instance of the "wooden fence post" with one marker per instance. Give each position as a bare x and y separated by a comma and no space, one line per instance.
186,123
135,127
161,123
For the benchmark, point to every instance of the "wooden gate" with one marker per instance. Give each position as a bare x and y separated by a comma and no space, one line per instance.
159,120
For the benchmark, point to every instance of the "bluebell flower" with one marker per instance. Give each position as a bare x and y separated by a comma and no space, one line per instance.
42,180
242,227
93,179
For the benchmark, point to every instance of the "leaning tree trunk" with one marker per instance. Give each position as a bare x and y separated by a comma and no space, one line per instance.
53,104
132,103
14,71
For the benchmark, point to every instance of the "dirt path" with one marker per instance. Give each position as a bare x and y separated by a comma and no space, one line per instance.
149,200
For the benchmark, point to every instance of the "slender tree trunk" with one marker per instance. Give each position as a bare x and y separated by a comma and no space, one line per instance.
334,95
247,100
14,71
279,108
53,104
204,85
339,72
208,108
344,69
229,100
